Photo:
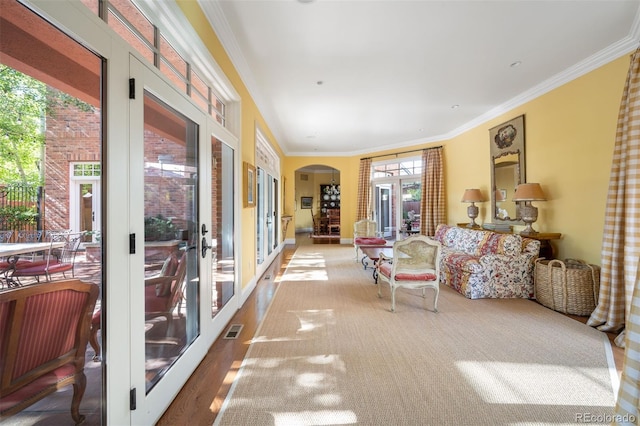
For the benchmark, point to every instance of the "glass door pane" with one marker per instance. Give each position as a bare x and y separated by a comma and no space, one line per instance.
171,236
384,202
269,212
261,222
223,265
51,120
411,195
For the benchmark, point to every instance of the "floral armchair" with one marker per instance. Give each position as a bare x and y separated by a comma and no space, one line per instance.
485,264
415,265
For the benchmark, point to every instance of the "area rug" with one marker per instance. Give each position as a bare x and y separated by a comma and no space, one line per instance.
330,352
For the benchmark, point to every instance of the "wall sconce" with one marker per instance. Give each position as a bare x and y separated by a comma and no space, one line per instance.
529,192
472,196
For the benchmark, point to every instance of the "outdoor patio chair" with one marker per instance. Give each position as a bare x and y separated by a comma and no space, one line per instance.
29,236
56,260
415,265
5,236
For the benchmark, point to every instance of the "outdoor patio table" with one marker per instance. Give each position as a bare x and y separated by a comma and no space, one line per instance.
12,252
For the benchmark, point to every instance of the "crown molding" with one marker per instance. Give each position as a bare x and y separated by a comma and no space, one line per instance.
215,15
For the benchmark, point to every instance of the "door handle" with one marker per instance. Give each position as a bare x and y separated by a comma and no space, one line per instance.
205,247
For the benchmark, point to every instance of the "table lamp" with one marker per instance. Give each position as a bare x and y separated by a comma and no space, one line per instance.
472,196
528,192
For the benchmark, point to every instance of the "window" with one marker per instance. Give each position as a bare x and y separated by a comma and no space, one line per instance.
397,191
86,170
126,19
406,167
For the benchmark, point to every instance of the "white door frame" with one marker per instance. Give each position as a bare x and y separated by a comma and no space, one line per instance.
74,197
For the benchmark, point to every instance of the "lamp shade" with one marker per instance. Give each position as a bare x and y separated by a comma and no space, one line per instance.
499,195
472,196
529,192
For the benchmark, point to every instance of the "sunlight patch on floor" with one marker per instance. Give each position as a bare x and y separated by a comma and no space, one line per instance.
307,418
537,384
306,275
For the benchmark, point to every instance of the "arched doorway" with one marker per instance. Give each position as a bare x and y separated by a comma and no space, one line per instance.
317,212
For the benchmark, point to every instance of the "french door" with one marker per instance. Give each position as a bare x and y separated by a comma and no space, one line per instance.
397,206
169,242
384,209
267,193
84,205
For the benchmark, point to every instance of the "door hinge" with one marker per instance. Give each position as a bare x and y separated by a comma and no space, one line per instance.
132,88
132,399
132,243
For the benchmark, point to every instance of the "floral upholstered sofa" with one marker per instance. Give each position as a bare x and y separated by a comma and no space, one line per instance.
485,264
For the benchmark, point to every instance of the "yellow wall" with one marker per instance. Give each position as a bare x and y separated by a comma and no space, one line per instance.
570,134
250,118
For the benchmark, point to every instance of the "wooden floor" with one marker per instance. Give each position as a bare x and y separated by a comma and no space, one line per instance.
200,399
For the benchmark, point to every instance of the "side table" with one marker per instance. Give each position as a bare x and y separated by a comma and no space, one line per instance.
545,238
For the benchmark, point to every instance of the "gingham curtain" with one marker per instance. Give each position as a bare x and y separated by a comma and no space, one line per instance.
432,203
627,411
619,292
620,245
364,189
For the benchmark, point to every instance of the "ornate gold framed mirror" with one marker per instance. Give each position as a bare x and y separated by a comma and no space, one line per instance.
507,169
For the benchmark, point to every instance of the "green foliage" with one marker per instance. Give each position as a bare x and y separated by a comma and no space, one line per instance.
416,193
25,104
16,217
159,228
22,111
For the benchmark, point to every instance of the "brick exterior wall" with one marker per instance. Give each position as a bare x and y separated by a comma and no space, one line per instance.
72,135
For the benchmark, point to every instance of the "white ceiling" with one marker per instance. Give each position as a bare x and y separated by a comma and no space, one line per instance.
347,77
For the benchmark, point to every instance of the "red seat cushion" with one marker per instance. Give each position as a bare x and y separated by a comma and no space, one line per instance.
370,241
385,269
38,268
32,389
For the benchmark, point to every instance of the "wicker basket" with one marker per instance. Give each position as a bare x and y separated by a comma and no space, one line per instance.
570,287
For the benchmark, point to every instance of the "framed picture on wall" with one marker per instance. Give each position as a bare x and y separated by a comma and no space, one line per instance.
306,202
249,189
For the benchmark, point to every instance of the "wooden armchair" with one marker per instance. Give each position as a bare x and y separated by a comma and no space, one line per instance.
161,293
415,265
44,330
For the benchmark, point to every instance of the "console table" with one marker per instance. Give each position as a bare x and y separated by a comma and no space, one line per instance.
545,238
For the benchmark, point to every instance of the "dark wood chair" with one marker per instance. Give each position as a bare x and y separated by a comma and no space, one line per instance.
333,221
44,329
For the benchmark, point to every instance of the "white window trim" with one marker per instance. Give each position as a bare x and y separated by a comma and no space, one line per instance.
178,31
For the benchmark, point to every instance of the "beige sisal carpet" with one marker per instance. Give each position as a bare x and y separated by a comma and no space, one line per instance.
330,352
